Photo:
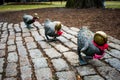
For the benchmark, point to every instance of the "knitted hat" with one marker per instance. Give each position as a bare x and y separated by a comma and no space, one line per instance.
100,38
36,15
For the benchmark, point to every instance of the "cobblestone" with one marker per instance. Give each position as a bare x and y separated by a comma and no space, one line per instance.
1,64
86,70
12,57
115,53
114,62
43,74
60,64
68,75
35,53
26,55
31,45
61,48
52,53
11,69
11,48
12,78
95,77
26,73
72,58
40,63
2,53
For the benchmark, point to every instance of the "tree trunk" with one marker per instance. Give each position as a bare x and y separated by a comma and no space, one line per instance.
2,2
85,3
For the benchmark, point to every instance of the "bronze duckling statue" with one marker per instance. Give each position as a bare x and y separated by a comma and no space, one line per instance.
52,29
92,45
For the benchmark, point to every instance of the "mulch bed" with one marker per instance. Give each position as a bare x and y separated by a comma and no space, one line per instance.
107,20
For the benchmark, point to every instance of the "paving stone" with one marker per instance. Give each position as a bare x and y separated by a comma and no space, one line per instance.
18,34
40,63
68,36
34,33
1,64
18,38
4,34
116,46
107,55
11,78
66,75
26,73
2,46
72,57
2,53
44,44
43,74
110,38
61,48
96,63
115,53
29,39
74,40
24,61
22,25
86,70
75,29
10,26
60,64
63,39
11,48
70,44
4,26
11,42
72,32
19,43
21,50
25,30
52,53
12,33
114,62
109,73
31,45
11,37
65,28
94,77
37,36
38,25
35,53
12,57
4,40
54,43
26,34
17,28
11,69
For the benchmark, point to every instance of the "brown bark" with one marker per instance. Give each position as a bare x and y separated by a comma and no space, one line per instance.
84,4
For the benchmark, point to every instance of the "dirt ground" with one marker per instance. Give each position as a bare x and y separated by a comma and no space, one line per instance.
107,20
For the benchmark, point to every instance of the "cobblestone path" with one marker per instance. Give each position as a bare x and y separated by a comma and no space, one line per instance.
25,55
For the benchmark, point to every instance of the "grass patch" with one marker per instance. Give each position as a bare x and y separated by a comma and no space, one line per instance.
112,4
21,6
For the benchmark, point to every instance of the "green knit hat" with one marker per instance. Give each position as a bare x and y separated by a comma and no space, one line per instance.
100,38
58,26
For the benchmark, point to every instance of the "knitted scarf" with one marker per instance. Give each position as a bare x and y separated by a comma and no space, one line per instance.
102,48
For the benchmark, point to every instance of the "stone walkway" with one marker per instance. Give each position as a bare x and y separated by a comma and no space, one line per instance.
25,55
